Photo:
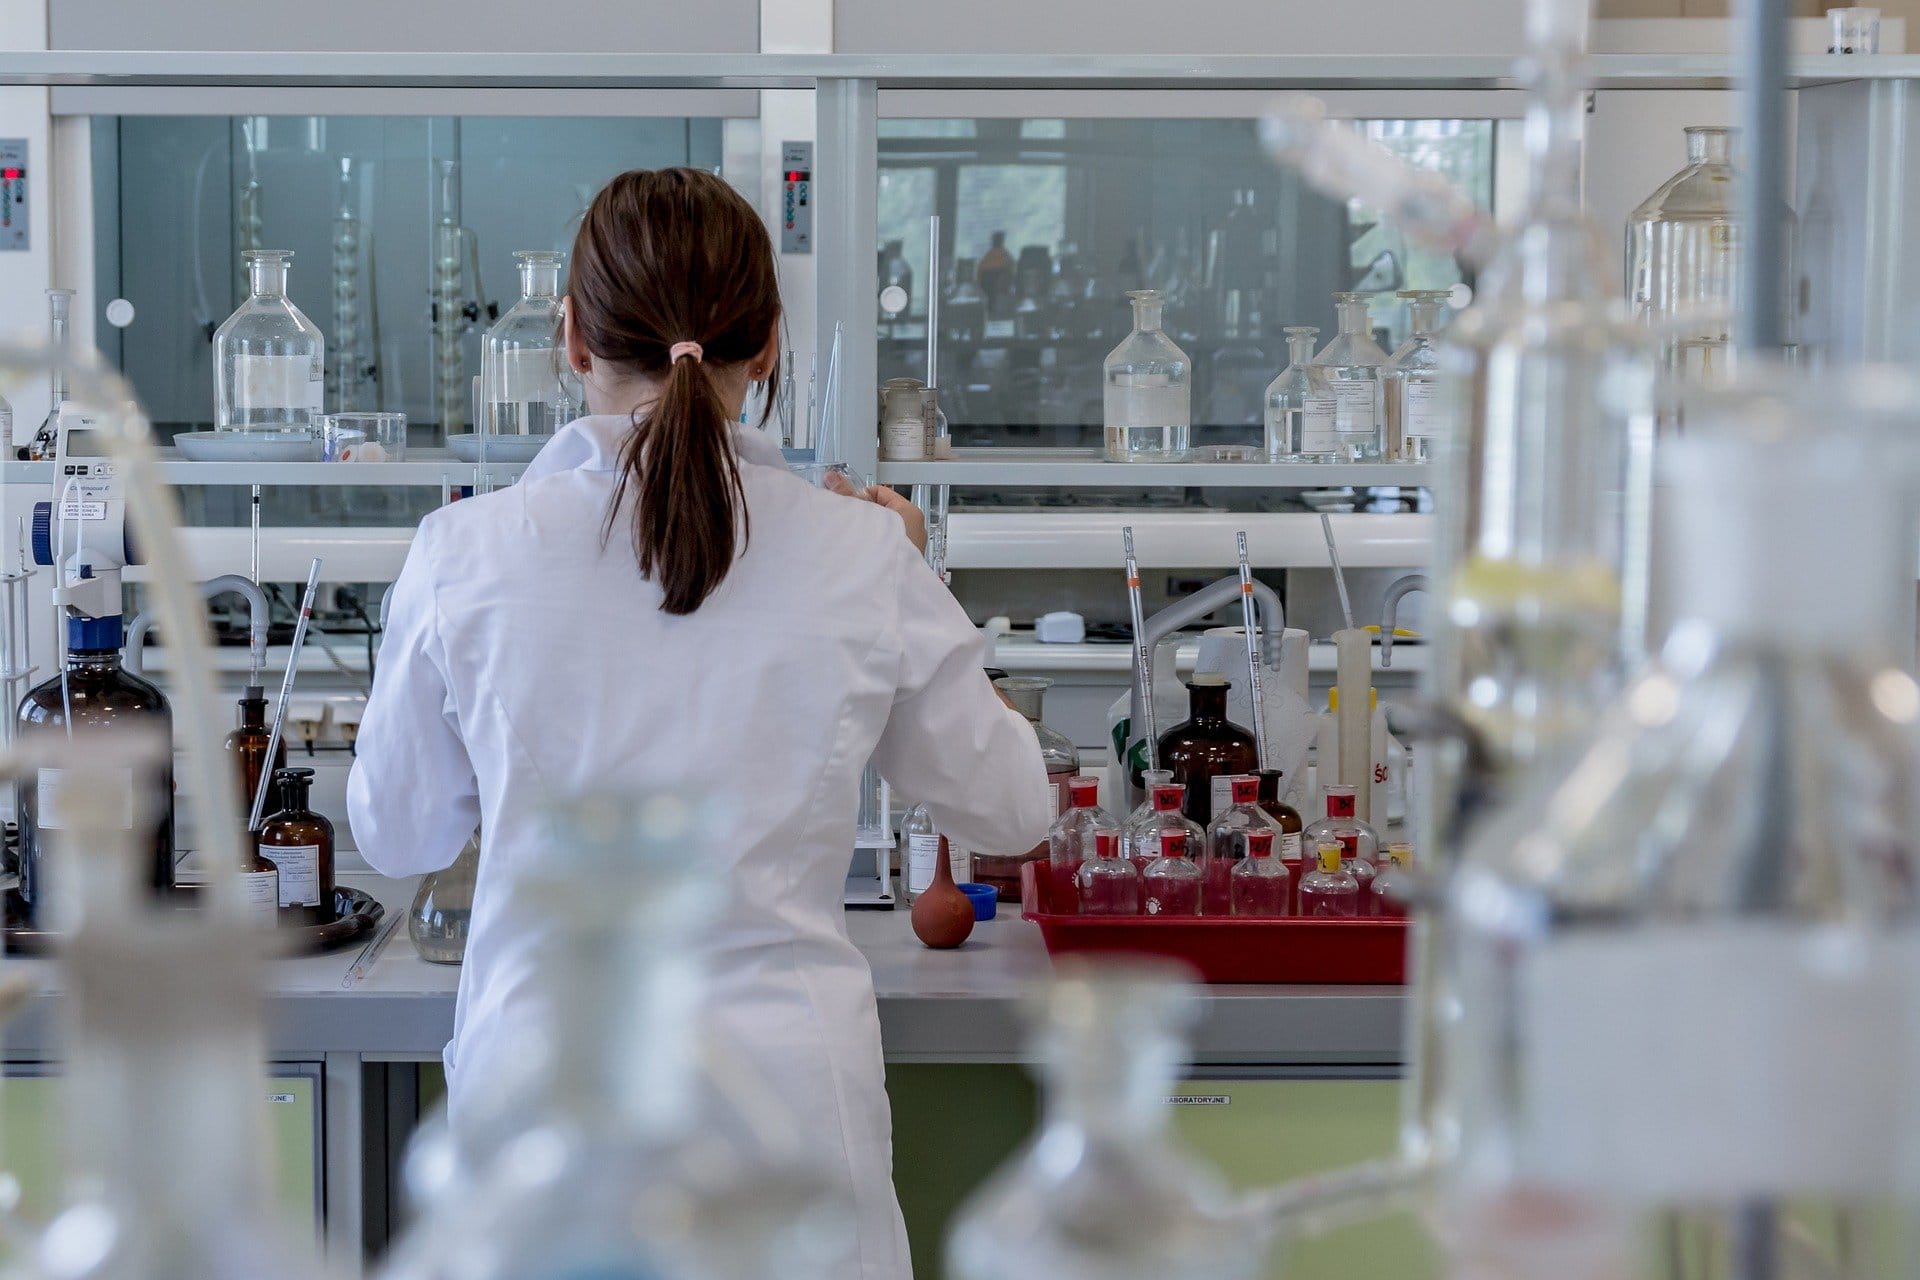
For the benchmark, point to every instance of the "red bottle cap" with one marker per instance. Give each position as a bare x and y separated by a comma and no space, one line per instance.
1103,844
1341,801
1259,844
1173,844
1170,797
1084,792
1246,789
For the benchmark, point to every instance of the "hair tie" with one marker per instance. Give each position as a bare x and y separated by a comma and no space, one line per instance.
684,349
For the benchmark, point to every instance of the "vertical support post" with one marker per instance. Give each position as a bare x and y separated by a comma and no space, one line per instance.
342,1134
847,195
1761,48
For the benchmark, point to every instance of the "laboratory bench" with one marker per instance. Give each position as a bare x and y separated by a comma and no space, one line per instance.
348,1020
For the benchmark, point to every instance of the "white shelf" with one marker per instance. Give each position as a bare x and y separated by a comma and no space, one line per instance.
435,70
425,468
1076,538
1085,469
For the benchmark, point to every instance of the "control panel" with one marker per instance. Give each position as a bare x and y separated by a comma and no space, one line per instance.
796,197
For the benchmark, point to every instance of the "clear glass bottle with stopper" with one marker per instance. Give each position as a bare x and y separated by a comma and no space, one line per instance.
1352,364
1107,884
1161,812
1295,398
1071,842
1172,884
601,1157
1359,844
520,392
1417,410
1260,884
1062,761
269,359
1103,1189
1149,390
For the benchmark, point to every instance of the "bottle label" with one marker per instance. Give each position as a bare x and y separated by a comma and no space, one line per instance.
299,866
1357,405
923,861
260,895
1317,418
1289,846
55,801
1147,401
1222,793
530,375
1426,418
6,428
960,863
276,382
903,440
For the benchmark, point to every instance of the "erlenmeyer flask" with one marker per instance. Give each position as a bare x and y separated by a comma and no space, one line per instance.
1102,1191
600,1159
442,909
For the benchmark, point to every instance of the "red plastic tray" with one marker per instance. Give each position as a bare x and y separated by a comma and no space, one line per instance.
1225,948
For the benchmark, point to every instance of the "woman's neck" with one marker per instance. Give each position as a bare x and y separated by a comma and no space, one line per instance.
613,394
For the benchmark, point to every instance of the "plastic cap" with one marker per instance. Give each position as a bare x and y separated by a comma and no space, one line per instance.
1246,789
1169,797
1260,844
1329,857
1084,792
95,635
1401,854
1173,844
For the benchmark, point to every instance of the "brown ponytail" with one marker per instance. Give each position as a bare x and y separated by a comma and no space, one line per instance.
665,258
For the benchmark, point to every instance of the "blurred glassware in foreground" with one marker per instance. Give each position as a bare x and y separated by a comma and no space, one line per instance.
1102,1191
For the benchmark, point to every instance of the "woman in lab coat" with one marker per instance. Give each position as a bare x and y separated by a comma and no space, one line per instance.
658,603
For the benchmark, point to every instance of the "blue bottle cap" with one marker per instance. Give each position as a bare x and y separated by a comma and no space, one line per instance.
985,899
95,635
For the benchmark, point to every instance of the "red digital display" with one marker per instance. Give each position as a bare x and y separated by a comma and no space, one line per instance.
796,176
10,174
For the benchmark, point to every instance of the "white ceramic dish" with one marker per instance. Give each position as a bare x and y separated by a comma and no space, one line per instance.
249,446
511,450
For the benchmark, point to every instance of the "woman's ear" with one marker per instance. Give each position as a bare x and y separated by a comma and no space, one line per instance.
767,360
579,359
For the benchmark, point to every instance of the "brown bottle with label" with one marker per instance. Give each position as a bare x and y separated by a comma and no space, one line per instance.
299,843
247,745
1286,845
1205,747
98,694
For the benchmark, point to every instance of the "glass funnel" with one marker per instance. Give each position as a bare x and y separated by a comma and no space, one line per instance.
1297,397
1149,390
1352,365
520,369
269,359
1723,884
603,1156
1102,1191
1417,410
442,910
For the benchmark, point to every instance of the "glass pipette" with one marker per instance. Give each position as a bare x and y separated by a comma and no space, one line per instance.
286,692
1142,660
1253,653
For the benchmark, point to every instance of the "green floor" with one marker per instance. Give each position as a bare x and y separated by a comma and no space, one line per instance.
1256,1131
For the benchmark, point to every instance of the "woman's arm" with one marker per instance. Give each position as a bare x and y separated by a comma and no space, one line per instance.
951,743
412,797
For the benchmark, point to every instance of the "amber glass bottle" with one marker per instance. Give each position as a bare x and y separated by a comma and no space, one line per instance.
247,745
1205,747
101,694
1286,846
299,843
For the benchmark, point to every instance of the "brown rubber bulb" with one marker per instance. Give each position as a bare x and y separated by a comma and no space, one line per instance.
943,916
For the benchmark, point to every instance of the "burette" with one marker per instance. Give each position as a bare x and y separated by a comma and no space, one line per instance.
1142,660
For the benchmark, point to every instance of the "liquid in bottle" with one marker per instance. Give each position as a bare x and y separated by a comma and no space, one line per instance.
1170,886
299,843
1329,891
1259,885
1108,884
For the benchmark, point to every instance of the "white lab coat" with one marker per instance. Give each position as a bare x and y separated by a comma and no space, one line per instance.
523,658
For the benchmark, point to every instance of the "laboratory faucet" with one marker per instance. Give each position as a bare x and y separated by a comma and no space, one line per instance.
1192,608
258,619
1390,611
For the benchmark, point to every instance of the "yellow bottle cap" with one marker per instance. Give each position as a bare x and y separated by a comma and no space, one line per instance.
1400,854
1329,857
